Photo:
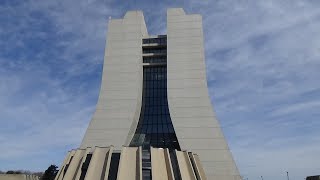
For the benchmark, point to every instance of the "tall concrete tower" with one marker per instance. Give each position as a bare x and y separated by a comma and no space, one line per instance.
154,94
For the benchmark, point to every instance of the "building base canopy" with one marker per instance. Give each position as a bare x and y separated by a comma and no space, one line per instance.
131,163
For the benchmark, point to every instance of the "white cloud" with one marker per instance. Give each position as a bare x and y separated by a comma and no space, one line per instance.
262,62
263,70
293,108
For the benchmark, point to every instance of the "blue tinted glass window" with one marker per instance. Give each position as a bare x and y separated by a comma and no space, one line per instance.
155,125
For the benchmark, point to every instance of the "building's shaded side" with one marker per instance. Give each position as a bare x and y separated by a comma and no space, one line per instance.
119,104
190,108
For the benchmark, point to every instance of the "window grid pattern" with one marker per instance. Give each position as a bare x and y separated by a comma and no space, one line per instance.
154,50
155,40
155,126
152,59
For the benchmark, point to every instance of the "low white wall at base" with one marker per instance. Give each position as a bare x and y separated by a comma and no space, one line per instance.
18,177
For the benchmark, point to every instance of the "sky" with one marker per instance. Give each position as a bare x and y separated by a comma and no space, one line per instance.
263,72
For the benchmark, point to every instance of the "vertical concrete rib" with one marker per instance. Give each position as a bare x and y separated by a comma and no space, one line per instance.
197,166
99,165
130,165
119,104
78,175
65,161
75,165
161,164
185,166
65,165
190,108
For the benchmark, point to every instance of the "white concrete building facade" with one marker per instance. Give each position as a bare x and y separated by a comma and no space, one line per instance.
154,93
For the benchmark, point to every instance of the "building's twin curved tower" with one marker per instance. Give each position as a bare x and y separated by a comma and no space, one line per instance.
154,94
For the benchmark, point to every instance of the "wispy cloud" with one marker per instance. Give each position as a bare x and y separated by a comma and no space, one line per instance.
262,67
294,108
262,62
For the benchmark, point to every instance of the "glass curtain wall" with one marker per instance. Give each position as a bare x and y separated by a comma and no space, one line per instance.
155,127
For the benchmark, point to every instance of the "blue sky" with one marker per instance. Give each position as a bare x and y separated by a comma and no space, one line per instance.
263,70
